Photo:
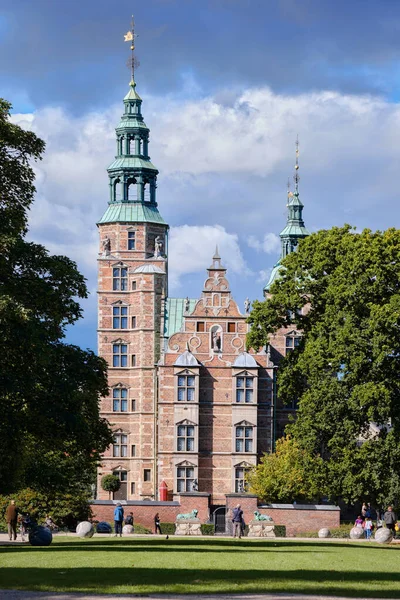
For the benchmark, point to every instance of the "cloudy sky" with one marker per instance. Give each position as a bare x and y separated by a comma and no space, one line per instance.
227,85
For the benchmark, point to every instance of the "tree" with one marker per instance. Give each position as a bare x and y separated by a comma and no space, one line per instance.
289,474
49,390
341,289
110,483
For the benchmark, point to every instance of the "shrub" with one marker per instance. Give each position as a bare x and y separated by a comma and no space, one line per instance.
110,483
337,532
138,528
207,528
168,528
280,530
65,509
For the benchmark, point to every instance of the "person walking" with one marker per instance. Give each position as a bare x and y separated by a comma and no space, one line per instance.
368,528
12,518
237,519
118,519
157,526
390,519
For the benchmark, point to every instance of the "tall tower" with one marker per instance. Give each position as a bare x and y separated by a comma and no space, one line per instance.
295,230
132,286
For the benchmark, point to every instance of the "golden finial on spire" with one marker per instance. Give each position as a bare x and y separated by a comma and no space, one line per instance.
132,62
289,193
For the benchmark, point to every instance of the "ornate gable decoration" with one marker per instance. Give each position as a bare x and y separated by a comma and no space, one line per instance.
120,341
186,422
244,424
119,385
185,463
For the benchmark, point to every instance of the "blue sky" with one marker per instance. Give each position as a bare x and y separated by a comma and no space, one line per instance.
227,85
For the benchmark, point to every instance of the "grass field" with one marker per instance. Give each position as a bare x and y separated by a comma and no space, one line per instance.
212,565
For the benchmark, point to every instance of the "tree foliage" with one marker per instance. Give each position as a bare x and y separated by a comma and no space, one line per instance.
51,435
289,474
110,483
341,289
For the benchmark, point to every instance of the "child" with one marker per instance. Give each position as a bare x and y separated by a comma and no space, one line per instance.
358,522
368,528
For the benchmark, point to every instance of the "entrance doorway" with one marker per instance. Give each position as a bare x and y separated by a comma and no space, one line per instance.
122,493
219,519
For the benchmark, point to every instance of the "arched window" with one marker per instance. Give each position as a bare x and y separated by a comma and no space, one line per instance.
117,190
132,190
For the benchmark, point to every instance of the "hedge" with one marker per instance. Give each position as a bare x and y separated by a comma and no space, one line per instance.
168,528
207,528
280,530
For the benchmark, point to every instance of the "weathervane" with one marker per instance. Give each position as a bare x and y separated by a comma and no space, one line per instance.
296,175
132,63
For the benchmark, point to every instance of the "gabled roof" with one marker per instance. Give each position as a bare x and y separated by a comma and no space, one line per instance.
186,359
245,360
149,269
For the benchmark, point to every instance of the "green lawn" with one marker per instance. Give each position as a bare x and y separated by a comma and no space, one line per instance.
209,565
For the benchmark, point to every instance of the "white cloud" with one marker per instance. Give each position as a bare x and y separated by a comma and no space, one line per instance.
223,164
270,244
191,249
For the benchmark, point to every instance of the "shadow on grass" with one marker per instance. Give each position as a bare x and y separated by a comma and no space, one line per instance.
156,580
70,544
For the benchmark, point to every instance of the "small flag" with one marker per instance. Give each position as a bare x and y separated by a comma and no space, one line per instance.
128,37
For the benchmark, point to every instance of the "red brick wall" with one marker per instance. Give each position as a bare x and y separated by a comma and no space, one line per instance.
143,512
300,520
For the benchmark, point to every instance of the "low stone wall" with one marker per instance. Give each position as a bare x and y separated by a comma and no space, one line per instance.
300,518
144,511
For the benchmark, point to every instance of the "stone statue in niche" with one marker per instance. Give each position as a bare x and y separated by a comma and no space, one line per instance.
187,304
158,247
106,246
195,485
216,340
241,487
247,306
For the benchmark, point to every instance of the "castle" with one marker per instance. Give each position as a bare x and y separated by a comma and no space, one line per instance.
189,406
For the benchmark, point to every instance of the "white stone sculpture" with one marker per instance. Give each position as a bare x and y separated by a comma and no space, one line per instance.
356,533
383,535
85,529
128,529
324,533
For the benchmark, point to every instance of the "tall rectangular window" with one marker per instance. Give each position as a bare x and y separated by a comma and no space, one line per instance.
185,388
244,439
133,360
133,405
120,400
184,479
240,480
244,389
120,445
120,279
131,240
133,285
133,487
120,317
133,450
185,438
133,322
120,355
147,475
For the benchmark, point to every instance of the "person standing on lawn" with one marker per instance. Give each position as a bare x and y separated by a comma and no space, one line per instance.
358,522
368,527
363,510
157,526
390,519
237,519
12,518
118,519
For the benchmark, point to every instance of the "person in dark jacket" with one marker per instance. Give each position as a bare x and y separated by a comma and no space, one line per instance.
237,519
129,519
157,527
12,518
390,518
118,519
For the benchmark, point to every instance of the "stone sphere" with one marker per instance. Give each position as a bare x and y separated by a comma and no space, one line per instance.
103,527
127,529
85,529
324,533
356,533
383,535
40,536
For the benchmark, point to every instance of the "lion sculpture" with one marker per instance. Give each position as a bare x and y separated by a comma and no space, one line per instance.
259,517
191,515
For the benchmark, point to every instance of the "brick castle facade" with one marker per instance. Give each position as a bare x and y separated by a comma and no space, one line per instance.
188,404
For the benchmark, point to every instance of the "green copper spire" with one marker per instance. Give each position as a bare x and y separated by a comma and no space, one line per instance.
295,229
132,176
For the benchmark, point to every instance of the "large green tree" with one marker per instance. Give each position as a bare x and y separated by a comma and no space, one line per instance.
341,289
51,434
